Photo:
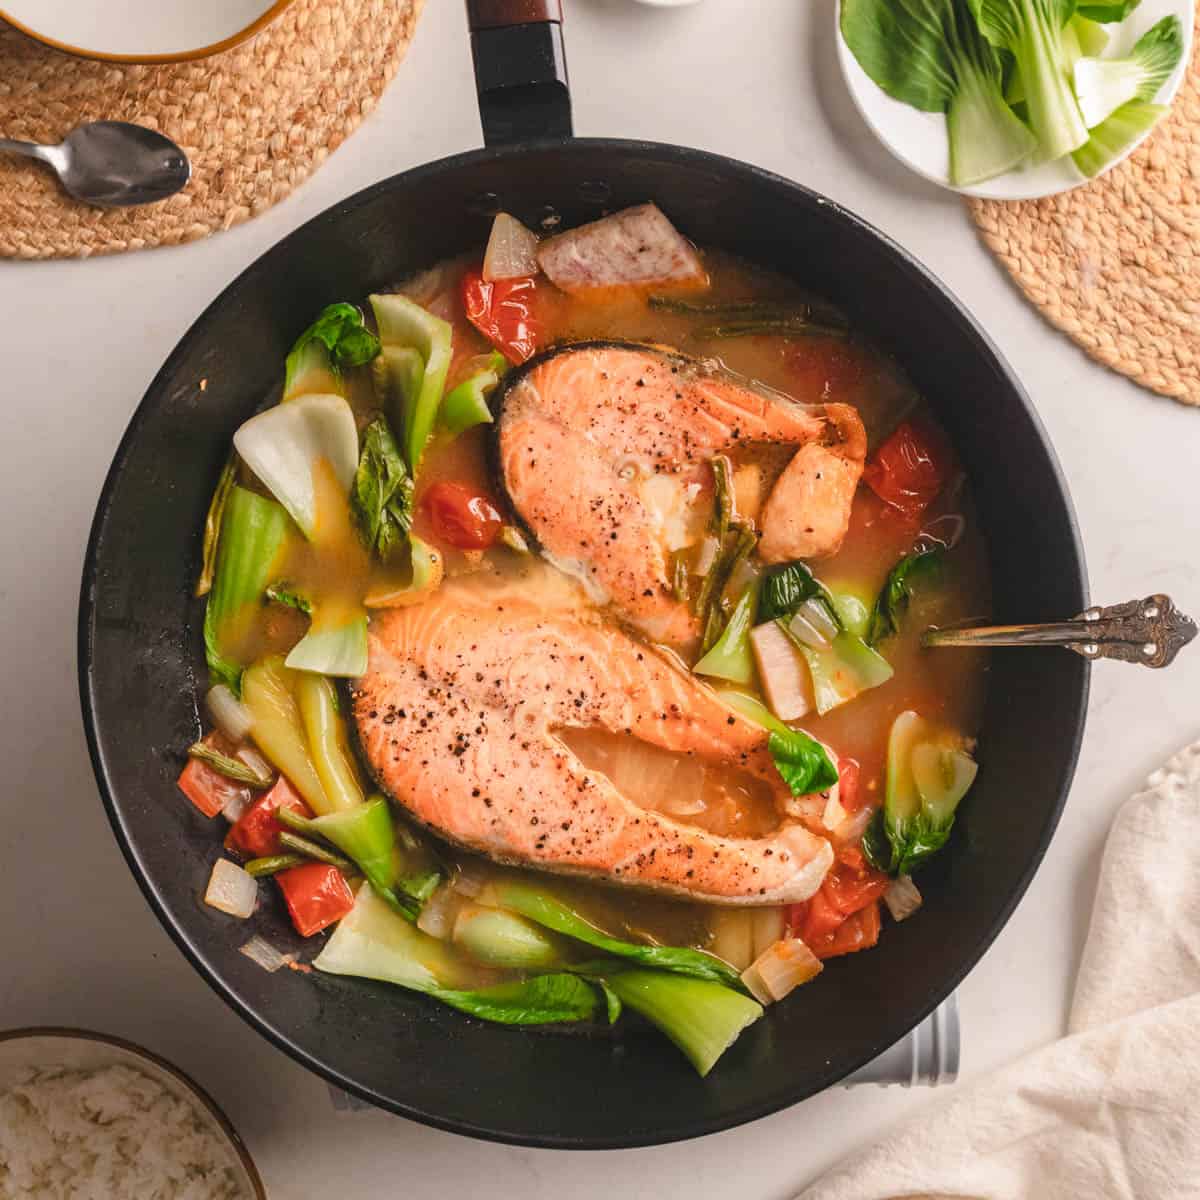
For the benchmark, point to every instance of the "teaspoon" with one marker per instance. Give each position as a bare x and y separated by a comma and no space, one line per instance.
112,164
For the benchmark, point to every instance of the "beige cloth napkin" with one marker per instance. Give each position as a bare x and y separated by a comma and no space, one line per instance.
1112,1111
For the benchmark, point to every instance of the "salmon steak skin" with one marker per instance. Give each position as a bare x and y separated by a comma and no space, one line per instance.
460,717
605,449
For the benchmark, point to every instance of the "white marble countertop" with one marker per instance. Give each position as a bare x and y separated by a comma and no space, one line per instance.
755,79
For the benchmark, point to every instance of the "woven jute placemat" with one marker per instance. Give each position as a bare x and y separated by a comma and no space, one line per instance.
1116,264
255,121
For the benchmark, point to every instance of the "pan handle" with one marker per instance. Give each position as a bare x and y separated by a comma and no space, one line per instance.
520,69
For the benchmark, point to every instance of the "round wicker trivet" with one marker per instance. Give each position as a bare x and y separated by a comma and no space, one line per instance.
1116,264
255,121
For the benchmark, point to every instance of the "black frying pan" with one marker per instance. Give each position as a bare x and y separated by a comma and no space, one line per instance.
140,656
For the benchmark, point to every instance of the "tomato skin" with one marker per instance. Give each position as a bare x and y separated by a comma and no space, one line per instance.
843,915
255,834
316,895
207,789
503,310
461,516
909,469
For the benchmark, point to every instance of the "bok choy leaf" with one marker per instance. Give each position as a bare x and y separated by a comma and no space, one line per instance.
929,54
373,942
1032,31
1112,137
532,901
897,591
1102,85
802,761
285,446
338,338
382,498
253,532
405,325
702,1018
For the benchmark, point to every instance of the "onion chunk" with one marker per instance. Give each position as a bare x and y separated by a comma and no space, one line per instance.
230,890
779,969
511,250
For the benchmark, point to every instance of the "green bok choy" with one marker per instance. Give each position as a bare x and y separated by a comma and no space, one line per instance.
929,54
253,532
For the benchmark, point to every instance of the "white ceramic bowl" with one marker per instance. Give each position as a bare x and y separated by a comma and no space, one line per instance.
22,1050
141,30
918,139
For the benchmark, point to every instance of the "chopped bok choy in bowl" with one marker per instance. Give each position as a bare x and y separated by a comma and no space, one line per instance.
1013,99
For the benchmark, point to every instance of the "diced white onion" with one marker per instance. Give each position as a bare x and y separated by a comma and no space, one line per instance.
706,555
785,677
260,951
819,618
229,714
770,924
803,631
469,880
237,804
902,898
230,890
854,826
780,969
511,250
440,911
255,761
514,539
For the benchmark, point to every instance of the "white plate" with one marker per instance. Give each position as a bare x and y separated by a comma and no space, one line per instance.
25,1050
918,139
141,30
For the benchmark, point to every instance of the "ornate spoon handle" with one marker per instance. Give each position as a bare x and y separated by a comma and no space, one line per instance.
1150,632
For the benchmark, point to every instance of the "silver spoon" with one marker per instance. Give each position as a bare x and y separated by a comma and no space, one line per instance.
112,164
1150,631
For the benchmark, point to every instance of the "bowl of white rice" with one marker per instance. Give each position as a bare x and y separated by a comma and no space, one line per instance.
89,1117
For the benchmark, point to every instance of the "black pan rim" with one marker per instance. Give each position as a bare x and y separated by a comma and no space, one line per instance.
747,175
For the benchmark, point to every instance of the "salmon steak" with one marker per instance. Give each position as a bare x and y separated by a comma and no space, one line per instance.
481,710
605,452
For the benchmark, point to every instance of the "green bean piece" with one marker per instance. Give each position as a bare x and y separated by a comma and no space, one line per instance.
302,845
231,768
272,864
790,327
722,495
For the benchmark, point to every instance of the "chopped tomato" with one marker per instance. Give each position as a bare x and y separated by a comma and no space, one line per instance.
207,789
849,793
859,931
837,920
316,894
504,311
461,516
255,834
909,469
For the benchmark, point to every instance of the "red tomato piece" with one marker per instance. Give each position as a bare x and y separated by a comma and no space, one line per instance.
859,931
207,789
255,834
504,311
909,469
849,793
461,516
832,922
316,894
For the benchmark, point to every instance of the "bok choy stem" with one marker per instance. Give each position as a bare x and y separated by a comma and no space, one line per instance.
253,532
